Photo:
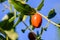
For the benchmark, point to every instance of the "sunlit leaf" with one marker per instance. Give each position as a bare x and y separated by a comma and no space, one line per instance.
40,5
51,14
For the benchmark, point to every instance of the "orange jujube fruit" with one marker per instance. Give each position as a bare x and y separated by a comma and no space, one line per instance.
36,20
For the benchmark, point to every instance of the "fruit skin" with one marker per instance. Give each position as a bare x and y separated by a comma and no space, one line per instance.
36,20
32,36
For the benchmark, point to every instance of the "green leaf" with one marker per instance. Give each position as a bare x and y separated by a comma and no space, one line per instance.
1,1
40,5
26,6
5,24
30,11
19,6
23,8
51,14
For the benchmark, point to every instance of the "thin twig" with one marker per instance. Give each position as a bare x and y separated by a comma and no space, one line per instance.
27,26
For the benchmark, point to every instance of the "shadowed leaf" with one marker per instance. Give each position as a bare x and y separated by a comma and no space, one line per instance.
51,14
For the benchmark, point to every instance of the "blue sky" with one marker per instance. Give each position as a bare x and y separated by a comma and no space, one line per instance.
52,33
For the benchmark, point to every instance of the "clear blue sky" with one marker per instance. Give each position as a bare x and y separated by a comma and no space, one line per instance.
52,32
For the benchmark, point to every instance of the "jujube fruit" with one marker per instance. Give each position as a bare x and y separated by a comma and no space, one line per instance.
36,20
32,36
